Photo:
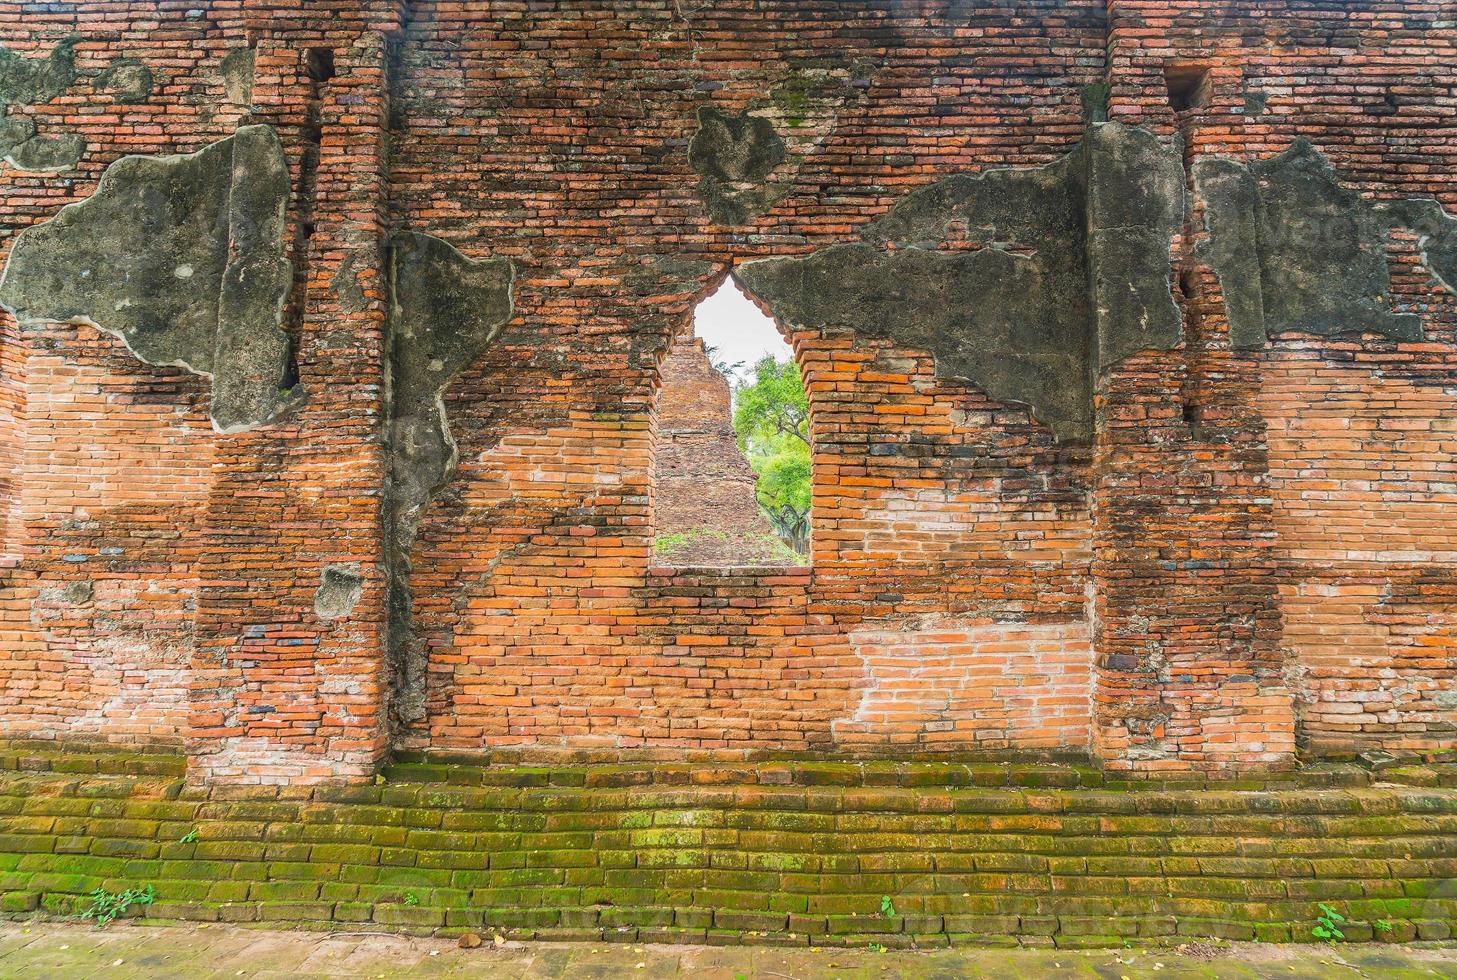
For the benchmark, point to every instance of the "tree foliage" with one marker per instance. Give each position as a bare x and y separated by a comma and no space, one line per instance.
771,419
772,405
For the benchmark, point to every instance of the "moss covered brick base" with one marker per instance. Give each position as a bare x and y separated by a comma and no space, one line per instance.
768,853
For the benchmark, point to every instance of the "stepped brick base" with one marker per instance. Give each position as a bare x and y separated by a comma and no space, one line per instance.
774,852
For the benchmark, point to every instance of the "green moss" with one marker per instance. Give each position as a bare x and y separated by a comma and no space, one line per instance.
1079,863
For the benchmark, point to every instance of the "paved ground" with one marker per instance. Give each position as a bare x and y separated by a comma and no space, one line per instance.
73,952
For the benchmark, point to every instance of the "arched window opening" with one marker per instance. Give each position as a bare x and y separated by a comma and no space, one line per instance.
732,465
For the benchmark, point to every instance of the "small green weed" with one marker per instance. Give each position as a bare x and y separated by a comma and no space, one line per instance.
887,907
106,906
1328,923
412,899
189,838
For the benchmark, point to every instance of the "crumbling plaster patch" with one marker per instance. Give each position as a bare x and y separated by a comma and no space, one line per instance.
747,160
1067,273
33,81
236,70
128,80
182,258
1031,282
47,154
733,155
1295,250
445,309
340,587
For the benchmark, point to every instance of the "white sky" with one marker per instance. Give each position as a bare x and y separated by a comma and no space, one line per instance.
731,323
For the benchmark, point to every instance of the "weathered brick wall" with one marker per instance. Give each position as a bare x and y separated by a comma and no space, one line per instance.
1251,550
1361,468
975,514
12,442
104,496
1254,589
118,469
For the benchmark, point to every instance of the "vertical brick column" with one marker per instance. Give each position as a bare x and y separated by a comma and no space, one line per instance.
12,439
1189,674
285,692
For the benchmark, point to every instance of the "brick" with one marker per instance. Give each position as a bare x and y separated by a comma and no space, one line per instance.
404,915
750,921
19,902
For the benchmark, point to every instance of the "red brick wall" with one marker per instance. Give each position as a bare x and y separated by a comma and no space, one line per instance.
1252,549
117,469
104,495
202,625
1362,472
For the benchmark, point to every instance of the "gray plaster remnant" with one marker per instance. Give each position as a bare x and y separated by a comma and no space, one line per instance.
236,69
1068,274
129,80
346,285
182,258
1437,235
340,587
445,309
1095,102
988,316
47,154
1295,250
14,131
1135,207
32,81
1231,208
1322,250
733,156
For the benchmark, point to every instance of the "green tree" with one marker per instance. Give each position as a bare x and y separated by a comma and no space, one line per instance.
771,419
772,405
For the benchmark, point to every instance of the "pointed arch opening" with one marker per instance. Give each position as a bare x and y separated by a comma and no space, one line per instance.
732,449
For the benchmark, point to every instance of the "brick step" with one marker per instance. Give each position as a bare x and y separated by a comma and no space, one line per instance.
795,864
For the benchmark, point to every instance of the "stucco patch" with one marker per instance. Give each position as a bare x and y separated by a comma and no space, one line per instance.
113,261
